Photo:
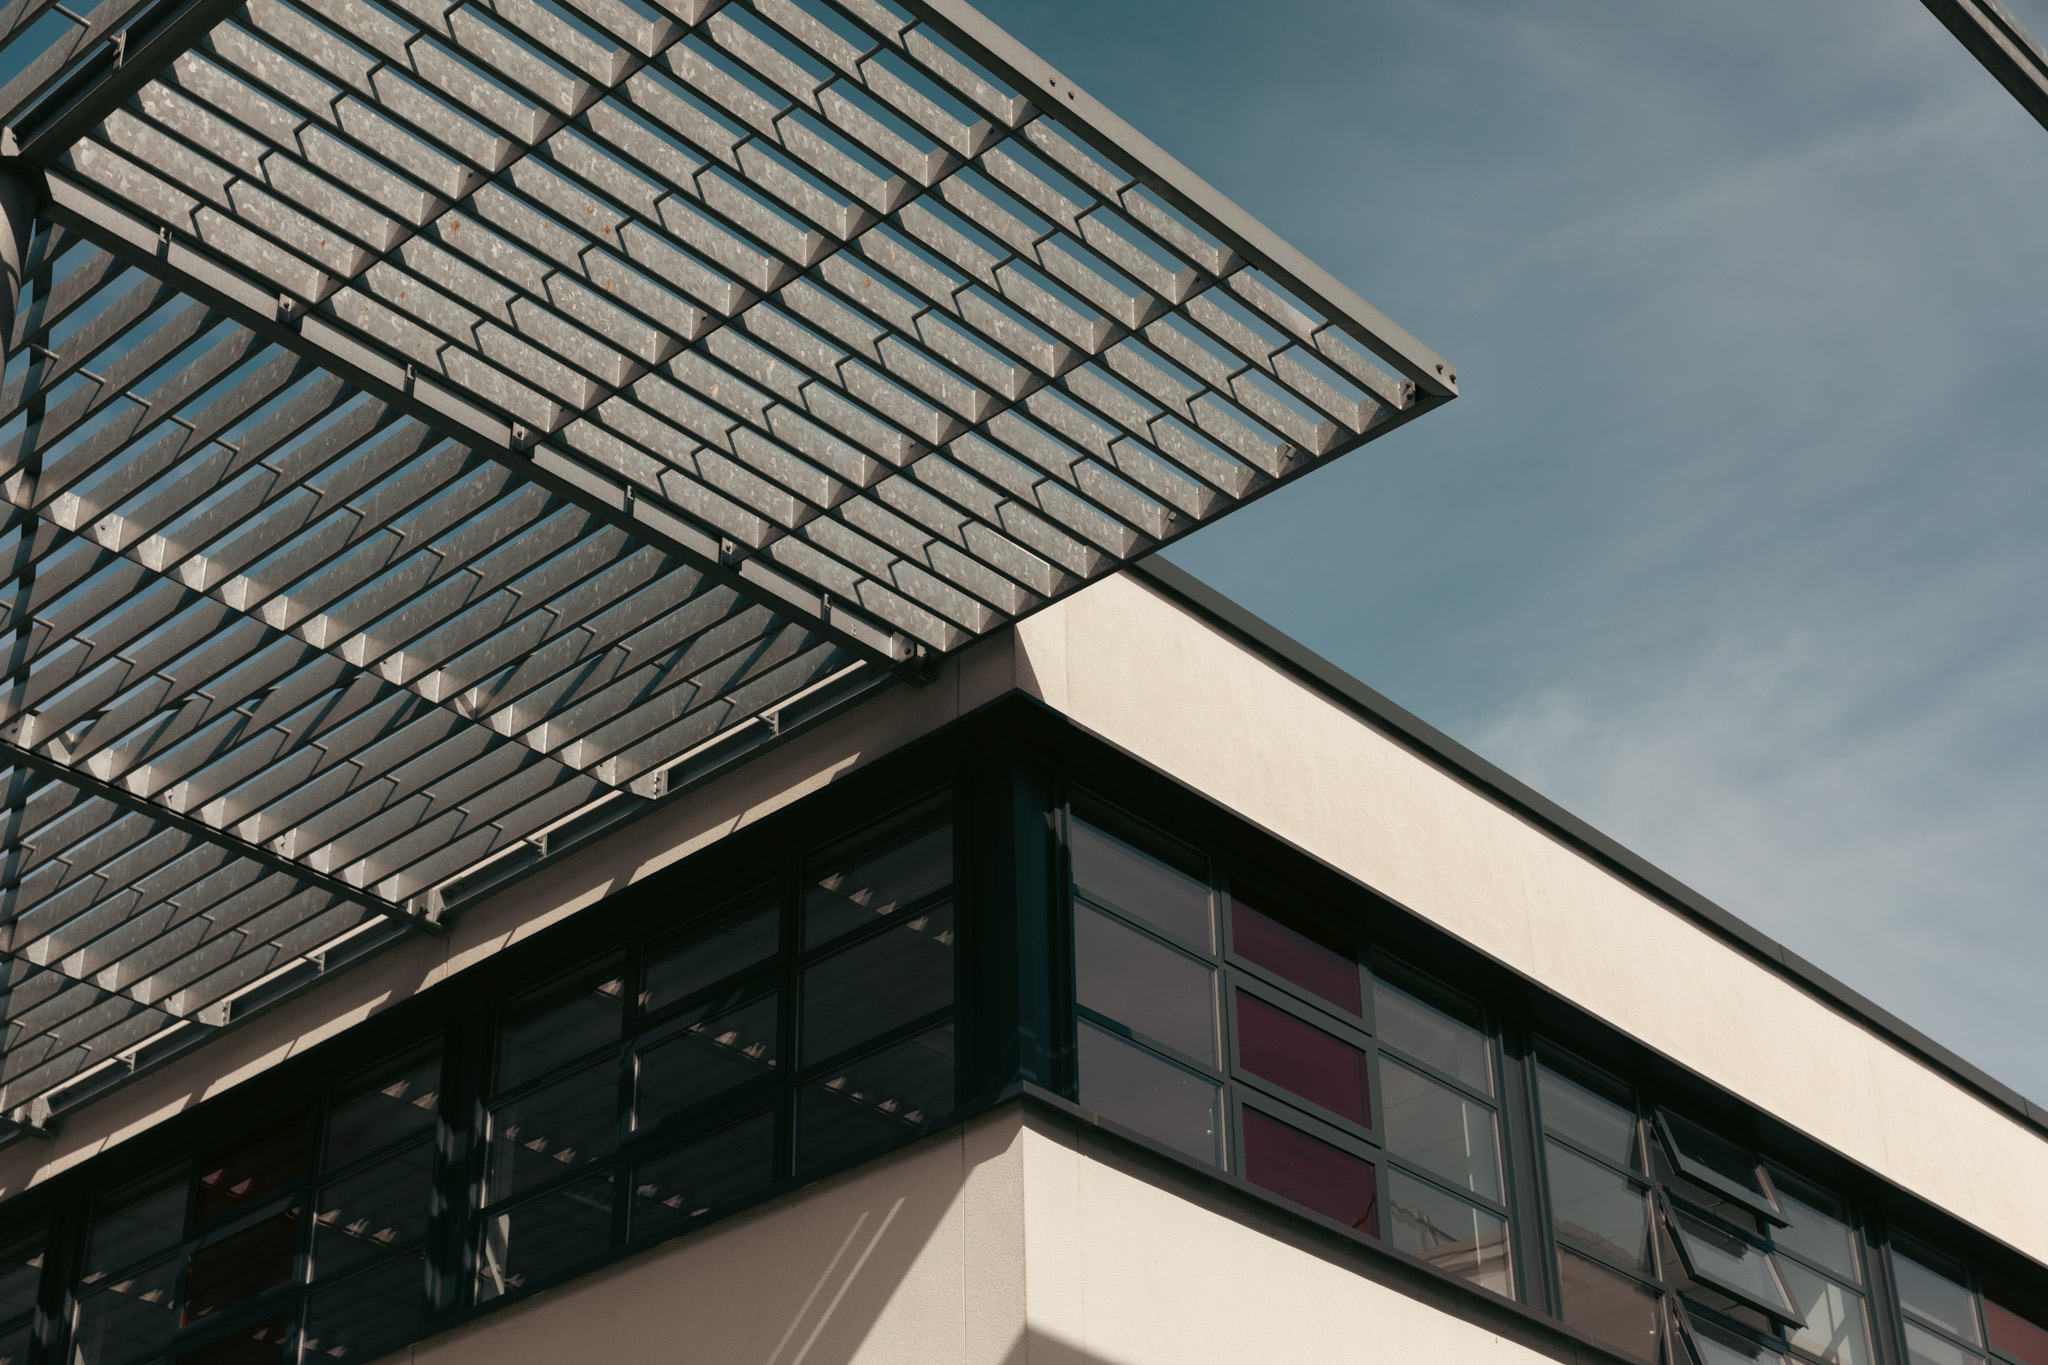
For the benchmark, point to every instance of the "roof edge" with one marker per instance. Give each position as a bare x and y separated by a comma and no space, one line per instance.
1425,739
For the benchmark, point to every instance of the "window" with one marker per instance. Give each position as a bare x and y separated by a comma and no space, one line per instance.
1948,1314
803,1022
1233,1029
21,1277
327,1206
1819,1255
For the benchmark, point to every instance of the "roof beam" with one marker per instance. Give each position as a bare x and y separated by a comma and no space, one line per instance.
2004,47
158,252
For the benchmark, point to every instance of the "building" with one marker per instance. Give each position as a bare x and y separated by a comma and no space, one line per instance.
597,771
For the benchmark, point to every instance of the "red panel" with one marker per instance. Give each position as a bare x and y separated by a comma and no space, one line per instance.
1258,935
1293,1165
1275,1046
2018,1334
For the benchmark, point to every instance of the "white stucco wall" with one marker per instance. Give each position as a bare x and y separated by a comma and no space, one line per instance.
1012,1241
1224,720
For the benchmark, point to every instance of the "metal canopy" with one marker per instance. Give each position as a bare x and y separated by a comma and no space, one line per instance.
432,432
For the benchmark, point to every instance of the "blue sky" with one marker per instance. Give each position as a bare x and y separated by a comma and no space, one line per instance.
1734,543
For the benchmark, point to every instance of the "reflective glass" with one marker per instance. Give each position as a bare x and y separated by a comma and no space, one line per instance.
1925,1348
1936,1297
726,1048
1726,1348
1834,1328
702,1175
880,983
1597,1207
732,942
1607,1306
1593,1121
261,1344
1730,1262
387,1112
241,1266
1816,1230
873,1100
1293,950
862,887
1276,1046
126,1318
361,1318
1292,1164
1113,873
1436,1127
1431,1036
1450,1233
1715,1161
136,1227
21,1271
550,1033
14,1344
1146,1093
362,1217
1138,981
2017,1331
558,1126
536,1241
235,1176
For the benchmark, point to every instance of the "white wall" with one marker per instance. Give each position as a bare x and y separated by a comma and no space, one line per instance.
1220,718
1012,1241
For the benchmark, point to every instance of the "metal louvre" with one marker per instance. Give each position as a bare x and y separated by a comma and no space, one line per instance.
425,426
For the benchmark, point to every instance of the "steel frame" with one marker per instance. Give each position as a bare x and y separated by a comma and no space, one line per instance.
2003,45
433,431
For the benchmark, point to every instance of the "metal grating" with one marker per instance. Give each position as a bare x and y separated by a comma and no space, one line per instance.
431,432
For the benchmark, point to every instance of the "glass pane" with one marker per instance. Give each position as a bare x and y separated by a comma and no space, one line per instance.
877,882
1730,1262
1435,1126
1717,1347
2019,1332
727,1048
703,1175
1281,1158
1593,1121
364,1216
1608,1307
233,1177
536,1241
1715,1161
561,1124
536,1040
127,1317
878,984
21,1271
1818,1232
262,1344
1111,872
1597,1207
242,1266
1936,1297
1149,1094
1431,1036
875,1099
1139,981
730,943
136,1228
1450,1233
1274,1045
1925,1348
387,1113
14,1345
1293,950
1834,1327
362,1318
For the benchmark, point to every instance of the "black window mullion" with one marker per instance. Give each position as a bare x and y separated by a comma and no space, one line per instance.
63,1257
1520,1137
461,1141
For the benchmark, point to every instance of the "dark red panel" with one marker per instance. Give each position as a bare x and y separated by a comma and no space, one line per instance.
1275,1046
1293,1165
242,1266
1261,932
233,1176
2019,1334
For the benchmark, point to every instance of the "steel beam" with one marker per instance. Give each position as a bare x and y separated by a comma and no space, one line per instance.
2002,44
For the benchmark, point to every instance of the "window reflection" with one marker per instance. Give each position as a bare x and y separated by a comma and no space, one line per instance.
1143,984
1832,1326
1591,1120
861,887
1609,1307
1121,877
1438,1128
1432,1035
1144,1092
1598,1208
1450,1233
